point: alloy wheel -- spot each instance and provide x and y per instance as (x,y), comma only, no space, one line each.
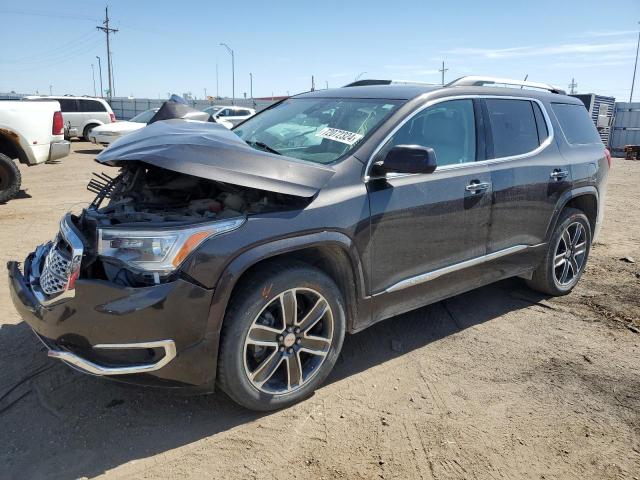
(570,254)
(288,341)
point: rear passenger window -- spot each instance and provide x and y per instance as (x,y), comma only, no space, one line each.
(91,106)
(447,127)
(577,126)
(67,105)
(513,127)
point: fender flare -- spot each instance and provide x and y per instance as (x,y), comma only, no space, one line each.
(240,264)
(565,198)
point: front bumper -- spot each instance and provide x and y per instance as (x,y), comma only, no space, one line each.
(150,335)
(59,149)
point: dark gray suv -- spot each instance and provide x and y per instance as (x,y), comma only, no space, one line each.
(241,258)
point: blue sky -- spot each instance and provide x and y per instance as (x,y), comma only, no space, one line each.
(173,47)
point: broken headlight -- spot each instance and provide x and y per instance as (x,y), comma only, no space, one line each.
(158,250)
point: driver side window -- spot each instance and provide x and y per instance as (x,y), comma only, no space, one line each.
(447,127)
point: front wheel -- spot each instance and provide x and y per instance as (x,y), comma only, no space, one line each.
(566,255)
(281,336)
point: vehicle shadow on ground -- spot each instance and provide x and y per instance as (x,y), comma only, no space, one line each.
(89,151)
(22,194)
(58,423)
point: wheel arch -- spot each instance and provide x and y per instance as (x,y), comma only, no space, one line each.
(10,146)
(585,199)
(332,252)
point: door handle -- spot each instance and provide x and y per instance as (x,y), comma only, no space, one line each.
(477,187)
(558,174)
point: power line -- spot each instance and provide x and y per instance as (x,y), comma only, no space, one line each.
(107,31)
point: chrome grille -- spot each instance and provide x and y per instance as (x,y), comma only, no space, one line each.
(55,271)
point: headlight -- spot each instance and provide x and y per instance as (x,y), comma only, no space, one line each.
(158,250)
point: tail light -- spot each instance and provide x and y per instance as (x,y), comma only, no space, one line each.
(607,154)
(58,124)
(112,116)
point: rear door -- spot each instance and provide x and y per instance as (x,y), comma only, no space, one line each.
(421,224)
(527,170)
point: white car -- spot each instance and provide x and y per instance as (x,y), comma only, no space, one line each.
(106,134)
(231,114)
(30,133)
(81,114)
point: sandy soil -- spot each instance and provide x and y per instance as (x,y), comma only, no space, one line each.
(494,384)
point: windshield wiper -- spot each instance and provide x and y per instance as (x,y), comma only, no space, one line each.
(263,146)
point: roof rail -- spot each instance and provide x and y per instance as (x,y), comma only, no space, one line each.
(367,82)
(476,81)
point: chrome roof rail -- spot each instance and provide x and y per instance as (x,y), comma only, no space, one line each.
(367,82)
(477,81)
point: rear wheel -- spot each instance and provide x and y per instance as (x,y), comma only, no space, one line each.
(566,255)
(10,178)
(281,336)
(87,131)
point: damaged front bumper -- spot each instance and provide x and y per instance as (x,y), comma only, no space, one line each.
(150,335)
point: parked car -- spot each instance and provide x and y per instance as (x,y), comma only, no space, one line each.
(106,134)
(231,114)
(241,258)
(30,133)
(81,114)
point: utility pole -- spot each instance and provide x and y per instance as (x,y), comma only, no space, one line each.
(251,85)
(100,73)
(107,31)
(572,86)
(326,84)
(442,70)
(50,90)
(217,93)
(313,83)
(205,93)
(635,67)
(233,72)
(93,75)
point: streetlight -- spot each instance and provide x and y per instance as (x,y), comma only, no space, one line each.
(251,85)
(233,72)
(100,73)
(50,90)
(93,75)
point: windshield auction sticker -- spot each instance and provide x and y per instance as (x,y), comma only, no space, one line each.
(337,135)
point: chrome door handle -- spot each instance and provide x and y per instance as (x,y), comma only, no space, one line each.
(559,174)
(477,187)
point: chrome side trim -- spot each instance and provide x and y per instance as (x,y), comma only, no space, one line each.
(456,166)
(95,369)
(428,276)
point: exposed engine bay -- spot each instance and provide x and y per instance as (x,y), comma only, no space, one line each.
(146,194)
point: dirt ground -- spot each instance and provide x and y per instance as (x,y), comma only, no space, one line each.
(499,383)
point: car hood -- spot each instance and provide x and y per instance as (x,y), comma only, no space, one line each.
(119,127)
(210,151)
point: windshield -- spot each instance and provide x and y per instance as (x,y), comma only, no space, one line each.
(315,129)
(212,110)
(144,117)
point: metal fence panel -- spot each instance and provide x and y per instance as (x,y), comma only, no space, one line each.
(626,126)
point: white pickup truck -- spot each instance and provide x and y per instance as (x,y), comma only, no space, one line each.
(30,133)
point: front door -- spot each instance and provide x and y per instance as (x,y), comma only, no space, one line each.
(427,224)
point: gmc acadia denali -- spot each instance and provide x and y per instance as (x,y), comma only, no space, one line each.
(241,258)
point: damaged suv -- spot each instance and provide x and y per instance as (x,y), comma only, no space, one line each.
(241,258)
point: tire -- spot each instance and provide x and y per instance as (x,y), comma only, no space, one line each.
(10,178)
(85,132)
(548,276)
(257,306)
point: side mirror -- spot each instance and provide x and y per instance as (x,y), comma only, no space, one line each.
(408,159)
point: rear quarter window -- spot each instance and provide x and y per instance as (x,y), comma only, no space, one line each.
(576,125)
(68,105)
(91,106)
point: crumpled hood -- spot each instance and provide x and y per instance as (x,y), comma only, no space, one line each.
(209,150)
